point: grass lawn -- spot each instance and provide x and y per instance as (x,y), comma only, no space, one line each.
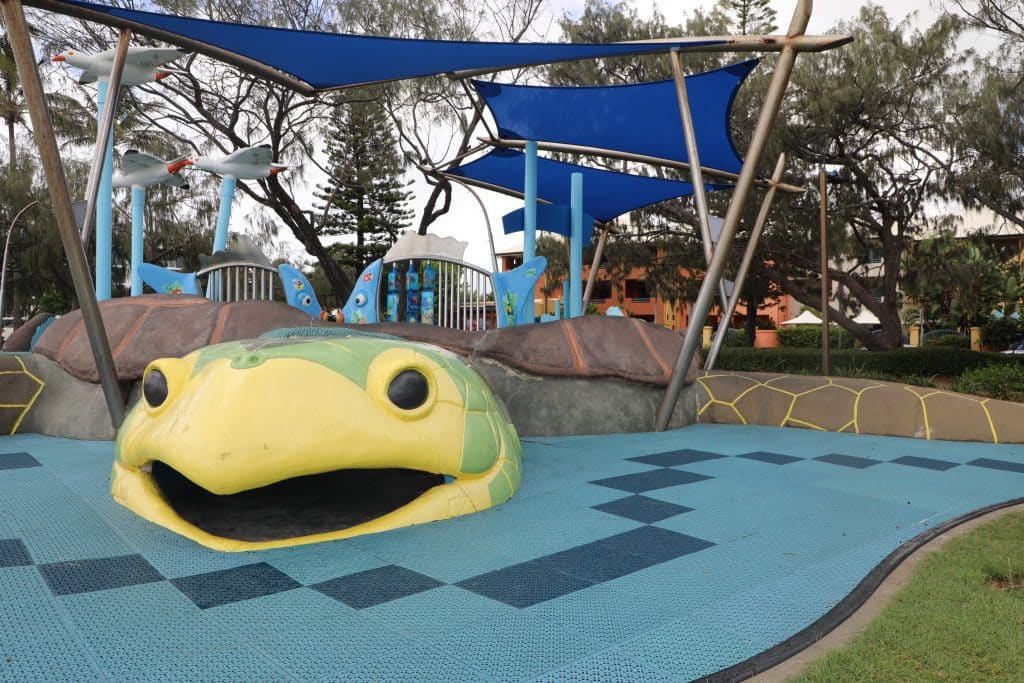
(959,618)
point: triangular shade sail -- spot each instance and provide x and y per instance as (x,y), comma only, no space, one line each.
(642,119)
(606,194)
(334,60)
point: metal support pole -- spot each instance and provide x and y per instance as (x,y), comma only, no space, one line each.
(530,203)
(700,197)
(595,264)
(138,232)
(17,31)
(3,270)
(701,307)
(487,221)
(105,129)
(748,258)
(825,286)
(576,246)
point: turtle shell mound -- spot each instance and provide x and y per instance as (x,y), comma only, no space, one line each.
(580,376)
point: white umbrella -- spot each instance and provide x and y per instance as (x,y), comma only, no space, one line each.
(866,317)
(805,318)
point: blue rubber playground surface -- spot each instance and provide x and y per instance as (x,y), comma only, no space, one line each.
(644,557)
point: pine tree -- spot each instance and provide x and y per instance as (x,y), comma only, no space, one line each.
(750,16)
(365,196)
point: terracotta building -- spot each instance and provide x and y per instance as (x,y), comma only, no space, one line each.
(633,298)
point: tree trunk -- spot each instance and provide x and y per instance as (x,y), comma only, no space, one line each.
(750,324)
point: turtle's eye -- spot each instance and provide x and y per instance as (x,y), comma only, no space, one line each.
(154,388)
(408,389)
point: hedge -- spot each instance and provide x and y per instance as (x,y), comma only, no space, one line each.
(903,362)
(809,336)
(994,381)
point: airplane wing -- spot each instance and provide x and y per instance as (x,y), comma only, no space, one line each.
(255,156)
(154,57)
(134,160)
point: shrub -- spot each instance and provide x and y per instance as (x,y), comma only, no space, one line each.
(809,336)
(998,333)
(1003,381)
(899,363)
(953,340)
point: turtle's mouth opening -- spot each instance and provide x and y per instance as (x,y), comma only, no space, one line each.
(302,506)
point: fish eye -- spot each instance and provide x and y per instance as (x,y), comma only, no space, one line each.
(408,389)
(306,300)
(360,299)
(154,388)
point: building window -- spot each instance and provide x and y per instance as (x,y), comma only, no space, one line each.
(637,289)
(602,290)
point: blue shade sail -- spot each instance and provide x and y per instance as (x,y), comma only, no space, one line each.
(606,194)
(642,118)
(335,60)
(556,218)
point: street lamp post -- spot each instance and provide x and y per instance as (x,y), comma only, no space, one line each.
(3,269)
(825,286)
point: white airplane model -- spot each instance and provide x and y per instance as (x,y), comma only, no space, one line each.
(143,170)
(248,163)
(142,65)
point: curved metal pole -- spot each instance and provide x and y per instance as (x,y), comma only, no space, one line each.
(487,220)
(3,270)
(49,155)
(700,196)
(701,307)
(748,258)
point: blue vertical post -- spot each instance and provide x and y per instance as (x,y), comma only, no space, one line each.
(104,206)
(138,227)
(576,247)
(220,237)
(227,195)
(565,300)
(530,202)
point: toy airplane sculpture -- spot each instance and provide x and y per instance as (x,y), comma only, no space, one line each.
(142,65)
(139,171)
(248,163)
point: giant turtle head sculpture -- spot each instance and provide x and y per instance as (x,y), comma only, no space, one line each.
(268,443)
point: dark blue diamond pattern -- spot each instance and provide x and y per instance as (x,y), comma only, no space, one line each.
(925,463)
(1004,465)
(676,458)
(772,458)
(848,460)
(17,461)
(650,480)
(85,576)
(642,509)
(376,586)
(233,585)
(13,553)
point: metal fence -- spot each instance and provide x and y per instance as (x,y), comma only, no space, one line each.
(463,297)
(240,281)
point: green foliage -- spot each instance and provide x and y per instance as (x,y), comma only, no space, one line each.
(750,16)
(809,336)
(365,197)
(951,622)
(1004,381)
(555,251)
(998,333)
(948,341)
(900,363)
(957,280)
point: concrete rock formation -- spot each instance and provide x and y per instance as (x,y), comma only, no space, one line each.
(837,404)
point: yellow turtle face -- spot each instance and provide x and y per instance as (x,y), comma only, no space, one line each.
(250,445)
